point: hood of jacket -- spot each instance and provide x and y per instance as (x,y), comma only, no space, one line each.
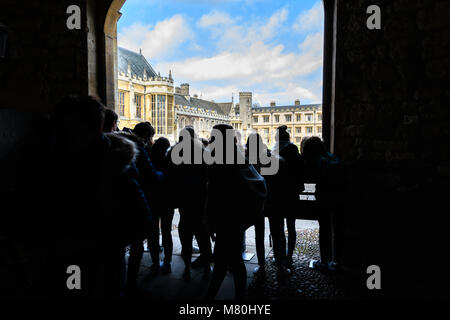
(122,152)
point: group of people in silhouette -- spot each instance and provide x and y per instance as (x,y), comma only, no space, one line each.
(108,190)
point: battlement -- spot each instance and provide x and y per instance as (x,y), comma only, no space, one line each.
(169,80)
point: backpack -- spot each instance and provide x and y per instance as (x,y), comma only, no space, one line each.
(254,190)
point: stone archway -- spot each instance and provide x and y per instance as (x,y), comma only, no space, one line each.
(110,46)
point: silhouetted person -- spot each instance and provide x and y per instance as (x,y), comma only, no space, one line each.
(230,219)
(148,177)
(149,144)
(205,142)
(190,179)
(162,209)
(111,118)
(76,206)
(260,222)
(325,169)
(286,195)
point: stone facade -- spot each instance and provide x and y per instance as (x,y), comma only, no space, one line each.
(301,120)
(144,95)
(141,92)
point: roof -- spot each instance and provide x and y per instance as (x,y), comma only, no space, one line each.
(283,108)
(137,63)
(225,106)
(202,104)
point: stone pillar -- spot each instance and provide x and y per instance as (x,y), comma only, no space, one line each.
(132,104)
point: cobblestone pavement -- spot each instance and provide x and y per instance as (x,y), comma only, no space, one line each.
(303,282)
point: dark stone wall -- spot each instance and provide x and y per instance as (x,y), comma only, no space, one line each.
(392,130)
(392,111)
(46,61)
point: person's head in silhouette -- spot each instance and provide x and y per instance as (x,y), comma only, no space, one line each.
(258,147)
(222,129)
(313,147)
(111,118)
(205,142)
(87,114)
(158,150)
(144,131)
(282,134)
(187,131)
(255,137)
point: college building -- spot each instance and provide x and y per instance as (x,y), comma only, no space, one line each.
(301,120)
(145,95)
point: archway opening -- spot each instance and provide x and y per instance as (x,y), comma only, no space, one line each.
(197,89)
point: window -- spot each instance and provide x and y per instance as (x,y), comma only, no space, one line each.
(298,130)
(138,102)
(277,118)
(122,104)
(319,130)
(289,130)
(298,139)
(287,118)
(255,119)
(170,121)
(266,118)
(153,108)
(309,117)
(266,131)
(161,114)
(319,117)
(309,130)
(298,117)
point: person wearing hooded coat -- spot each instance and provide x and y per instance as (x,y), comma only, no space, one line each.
(149,178)
(74,206)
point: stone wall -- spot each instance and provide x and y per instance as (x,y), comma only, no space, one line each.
(392,113)
(46,61)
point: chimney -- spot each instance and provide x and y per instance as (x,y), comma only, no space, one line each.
(272,103)
(185,89)
(297,102)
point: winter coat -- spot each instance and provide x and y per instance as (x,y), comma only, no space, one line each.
(235,196)
(148,177)
(190,180)
(288,183)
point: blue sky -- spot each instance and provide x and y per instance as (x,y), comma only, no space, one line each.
(272,48)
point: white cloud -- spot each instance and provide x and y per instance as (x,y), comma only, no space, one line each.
(268,30)
(286,96)
(215,92)
(156,41)
(214,18)
(248,57)
(233,36)
(260,63)
(310,20)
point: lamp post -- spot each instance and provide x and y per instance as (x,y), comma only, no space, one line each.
(3,38)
